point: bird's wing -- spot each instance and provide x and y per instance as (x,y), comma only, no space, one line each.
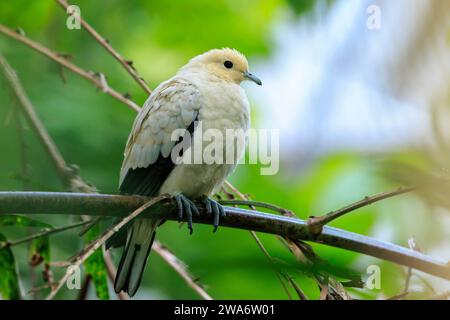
(173,105)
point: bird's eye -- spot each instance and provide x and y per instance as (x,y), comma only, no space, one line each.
(228,64)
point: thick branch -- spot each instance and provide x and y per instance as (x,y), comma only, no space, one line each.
(99,82)
(119,205)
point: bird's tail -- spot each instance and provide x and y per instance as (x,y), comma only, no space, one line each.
(134,258)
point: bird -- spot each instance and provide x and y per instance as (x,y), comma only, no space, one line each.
(205,91)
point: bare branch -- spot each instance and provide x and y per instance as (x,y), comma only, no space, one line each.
(255,237)
(259,204)
(111,269)
(316,223)
(297,248)
(272,263)
(181,268)
(128,66)
(90,76)
(300,293)
(44,233)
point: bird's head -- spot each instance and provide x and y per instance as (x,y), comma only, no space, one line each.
(227,64)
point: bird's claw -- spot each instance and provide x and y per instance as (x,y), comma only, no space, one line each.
(186,207)
(215,209)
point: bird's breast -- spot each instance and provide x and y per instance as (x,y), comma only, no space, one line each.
(224,106)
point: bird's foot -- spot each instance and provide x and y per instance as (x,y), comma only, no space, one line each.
(186,207)
(215,209)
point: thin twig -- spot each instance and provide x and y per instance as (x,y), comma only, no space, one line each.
(24,174)
(171,259)
(128,65)
(300,293)
(272,263)
(399,296)
(413,246)
(259,204)
(294,246)
(90,76)
(90,248)
(40,288)
(316,223)
(82,294)
(181,268)
(278,274)
(301,250)
(111,269)
(42,233)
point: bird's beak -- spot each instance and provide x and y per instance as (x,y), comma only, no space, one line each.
(252,77)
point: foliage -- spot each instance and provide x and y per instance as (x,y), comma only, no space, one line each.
(9,282)
(95,266)
(38,251)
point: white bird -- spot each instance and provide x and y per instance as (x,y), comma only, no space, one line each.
(207,91)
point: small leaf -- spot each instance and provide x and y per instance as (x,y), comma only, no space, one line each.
(95,265)
(21,221)
(40,247)
(9,283)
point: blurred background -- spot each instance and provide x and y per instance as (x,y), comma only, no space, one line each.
(360,111)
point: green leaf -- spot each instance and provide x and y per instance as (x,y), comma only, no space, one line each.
(9,284)
(39,248)
(21,221)
(95,266)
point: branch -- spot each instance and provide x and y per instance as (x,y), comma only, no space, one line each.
(278,274)
(255,237)
(297,229)
(98,81)
(181,268)
(128,65)
(259,204)
(43,233)
(246,199)
(112,272)
(316,223)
